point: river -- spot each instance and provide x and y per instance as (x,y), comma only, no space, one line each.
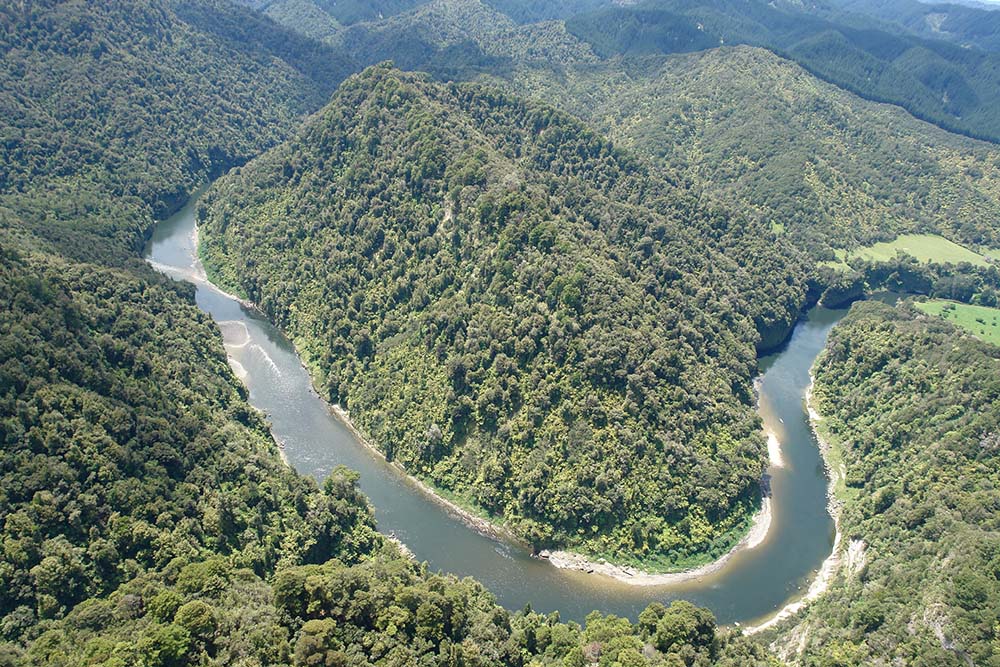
(752,585)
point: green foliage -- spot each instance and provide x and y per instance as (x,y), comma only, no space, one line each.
(109,111)
(164,646)
(959,23)
(144,510)
(99,391)
(304,16)
(458,38)
(912,406)
(515,311)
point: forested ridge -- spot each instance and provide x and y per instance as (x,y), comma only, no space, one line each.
(145,515)
(117,110)
(965,24)
(910,406)
(514,310)
(456,38)
(148,519)
(939,62)
(745,129)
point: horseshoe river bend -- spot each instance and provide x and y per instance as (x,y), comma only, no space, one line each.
(755,582)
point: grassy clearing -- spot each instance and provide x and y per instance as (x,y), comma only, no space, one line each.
(839,264)
(981,321)
(928,248)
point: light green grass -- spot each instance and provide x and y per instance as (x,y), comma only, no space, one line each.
(925,247)
(980,321)
(833,454)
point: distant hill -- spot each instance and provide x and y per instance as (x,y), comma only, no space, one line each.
(457,38)
(339,12)
(757,133)
(951,86)
(966,24)
(323,17)
(825,167)
(452,38)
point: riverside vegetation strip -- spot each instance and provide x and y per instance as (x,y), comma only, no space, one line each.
(280,385)
(912,406)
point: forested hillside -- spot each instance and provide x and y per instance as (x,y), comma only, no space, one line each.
(455,38)
(130,452)
(748,130)
(910,405)
(323,19)
(514,310)
(333,12)
(116,106)
(556,328)
(759,134)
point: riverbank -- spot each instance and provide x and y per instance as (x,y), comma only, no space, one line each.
(759,528)
(571,561)
(828,569)
(568,560)
(197,274)
(200,272)
(451,539)
(482,526)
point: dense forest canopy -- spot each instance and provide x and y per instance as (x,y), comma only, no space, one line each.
(513,309)
(965,24)
(954,87)
(115,106)
(939,62)
(746,129)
